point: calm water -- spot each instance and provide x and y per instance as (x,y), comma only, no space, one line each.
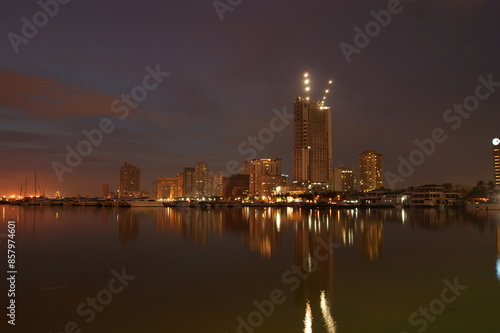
(350,271)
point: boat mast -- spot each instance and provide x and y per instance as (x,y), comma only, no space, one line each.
(25,186)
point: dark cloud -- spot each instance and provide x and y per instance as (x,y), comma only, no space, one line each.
(226,77)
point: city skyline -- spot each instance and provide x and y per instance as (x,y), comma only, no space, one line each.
(207,94)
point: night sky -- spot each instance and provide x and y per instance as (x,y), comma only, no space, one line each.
(226,77)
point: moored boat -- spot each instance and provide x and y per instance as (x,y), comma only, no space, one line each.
(145,203)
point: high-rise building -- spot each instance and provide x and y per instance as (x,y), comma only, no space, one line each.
(370,171)
(312,148)
(496,160)
(130,180)
(344,179)
(188,184)
(180,184)
(265,175)
(167,188)
(201,179)
(216,185)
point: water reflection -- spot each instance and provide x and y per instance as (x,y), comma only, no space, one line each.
(194,225)
(498,251)
(264,226)
(316,235)
(328,322)
(315,303)
(372,236)
(128,226)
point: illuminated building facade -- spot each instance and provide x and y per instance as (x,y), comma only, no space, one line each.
(201,180)
(216,185)
(496,157)
(265,175)
(344,179)
(130,180)
(167,188)
(370,171)
(312,145)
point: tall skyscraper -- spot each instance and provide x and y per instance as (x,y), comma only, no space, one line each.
(370,171)
(188,185)
(130,180)
(200,179)
(312,148)
(265,175)
(496,159)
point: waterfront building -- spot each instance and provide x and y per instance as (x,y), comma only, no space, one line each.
(216,185)
(370,171)
(381,198)
(180,184)
(312,145)
(167,188)
(433,196)
(188,182)
(344,179)
(201,180)
(265,175)
(291,190)
(130,181)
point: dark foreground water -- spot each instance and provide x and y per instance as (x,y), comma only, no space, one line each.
(253,270)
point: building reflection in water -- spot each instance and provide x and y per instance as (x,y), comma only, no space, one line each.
(264,226)
(262,230)
(372,233)
(194,225)
(498,251)
(316,234)
(128,225)
(259,229)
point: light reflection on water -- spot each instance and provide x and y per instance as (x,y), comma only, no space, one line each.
(380,255)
